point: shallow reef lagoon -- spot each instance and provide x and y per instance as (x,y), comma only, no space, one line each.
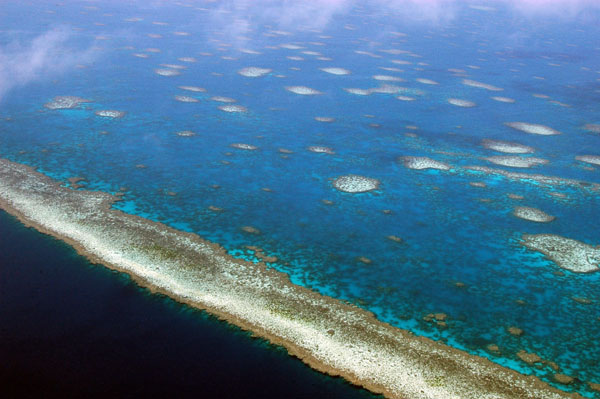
(416,159)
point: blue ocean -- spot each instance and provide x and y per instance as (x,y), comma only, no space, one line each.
(236,118)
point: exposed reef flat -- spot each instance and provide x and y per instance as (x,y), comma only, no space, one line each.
(221,99)
(423,163)
(186,99)
(189,269)
(232,108)
(358,92)
(302,90)
(426,81)
(507,147)
(355,184)
(515,161)
(549,181)
(254,72)
(507,100)
(167,72)
(569,254)
(533,128)
(65,102)
(473,83)
(461,103)
(321,149)
(532,214)
(336,71)
(185,133)
(388,78)
(195,89)
(591,159)
(110,113)
(242,146)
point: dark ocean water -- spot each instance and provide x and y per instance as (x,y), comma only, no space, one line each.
(69,328)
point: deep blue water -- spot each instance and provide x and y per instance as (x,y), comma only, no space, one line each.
(448,234)
(72,329)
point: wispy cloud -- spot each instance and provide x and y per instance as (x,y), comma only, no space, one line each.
(560,8)
(238,17)
(45,56)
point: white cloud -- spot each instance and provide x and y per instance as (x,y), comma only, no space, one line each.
(46,56)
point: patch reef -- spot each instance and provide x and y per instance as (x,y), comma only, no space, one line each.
(567,253)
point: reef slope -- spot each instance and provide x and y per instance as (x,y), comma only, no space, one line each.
(328,334)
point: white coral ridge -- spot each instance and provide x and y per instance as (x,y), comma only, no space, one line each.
(110,113)
(320,149)
(359,92)
(254,72)
(233,108)
(186,99)
(221,99)
(195,89)
(507,100)
(592,159)
(567,253)
(167,72)
(303,90)
(65,102)
(290,46)
(186,133)
(243,146)
(427,81)
(387,78)
(507,147)
(461,103)
(424,163)
(473,83)
(532,128)
(336,71)
(532,214)
(383,89)
(355,184)
(515,161)
(388,89)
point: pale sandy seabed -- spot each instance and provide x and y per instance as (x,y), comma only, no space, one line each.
(327,334)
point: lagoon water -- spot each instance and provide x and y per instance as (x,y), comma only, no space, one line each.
(210,145)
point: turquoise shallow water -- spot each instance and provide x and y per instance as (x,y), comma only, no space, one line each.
(449,235)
